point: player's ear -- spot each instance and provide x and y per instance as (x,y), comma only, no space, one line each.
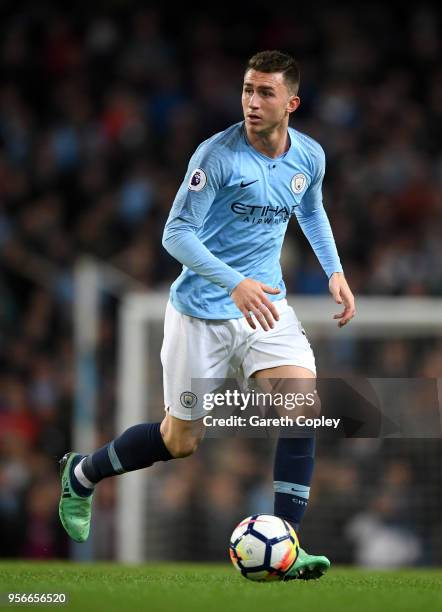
(293,103)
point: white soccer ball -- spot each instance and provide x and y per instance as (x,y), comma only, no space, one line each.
(263,547)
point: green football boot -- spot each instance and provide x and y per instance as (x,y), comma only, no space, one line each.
(74,510)
(307,567)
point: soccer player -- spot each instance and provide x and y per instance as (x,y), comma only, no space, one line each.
(227,314)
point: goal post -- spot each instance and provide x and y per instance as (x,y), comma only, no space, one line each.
(92,278)
(141,318)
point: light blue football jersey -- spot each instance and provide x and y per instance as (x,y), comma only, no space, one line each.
(230,216)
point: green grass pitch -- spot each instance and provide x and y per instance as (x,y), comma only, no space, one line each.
(187,587)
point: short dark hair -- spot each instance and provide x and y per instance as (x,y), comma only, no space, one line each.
(276,61)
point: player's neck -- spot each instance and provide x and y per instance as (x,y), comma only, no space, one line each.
(272,144)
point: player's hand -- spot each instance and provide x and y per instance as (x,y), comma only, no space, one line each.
(250,297)
(342,295)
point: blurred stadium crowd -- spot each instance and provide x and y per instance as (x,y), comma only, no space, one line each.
(99,113)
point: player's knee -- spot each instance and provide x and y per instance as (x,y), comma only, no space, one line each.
(181,439)
(183,446)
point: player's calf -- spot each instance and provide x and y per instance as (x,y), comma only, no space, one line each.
(136,448)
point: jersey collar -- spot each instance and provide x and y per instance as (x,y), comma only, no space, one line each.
(261,155)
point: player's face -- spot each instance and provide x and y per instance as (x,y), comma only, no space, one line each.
(266,101)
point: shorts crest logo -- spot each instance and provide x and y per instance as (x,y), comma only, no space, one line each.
(188,399)
(298,182)
(198,180)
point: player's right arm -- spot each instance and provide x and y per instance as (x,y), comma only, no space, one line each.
(206,175)
(204,178)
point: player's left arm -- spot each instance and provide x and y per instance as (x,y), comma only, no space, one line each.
(342,294)
(315,224)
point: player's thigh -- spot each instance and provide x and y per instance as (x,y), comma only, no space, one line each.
(195,358)
(286,345)
(286,372)
(286,378)
(281,360)
(296,385)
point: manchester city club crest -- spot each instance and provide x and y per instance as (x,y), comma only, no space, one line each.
(188,399)
(299,181)
(198,180)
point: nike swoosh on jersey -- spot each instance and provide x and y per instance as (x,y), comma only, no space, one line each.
(247,184)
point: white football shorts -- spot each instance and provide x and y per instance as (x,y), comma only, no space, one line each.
(197,354)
